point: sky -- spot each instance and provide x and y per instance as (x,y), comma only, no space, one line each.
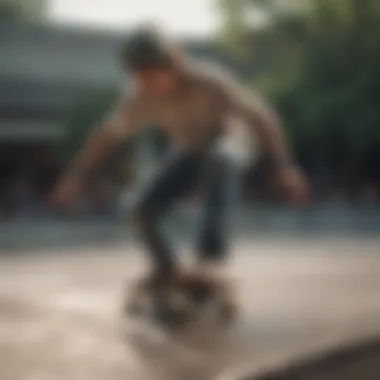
(183,17)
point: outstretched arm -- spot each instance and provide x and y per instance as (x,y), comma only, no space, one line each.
(263,120)
(120,123)
(101,142)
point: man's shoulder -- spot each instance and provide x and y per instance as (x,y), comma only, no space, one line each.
(212,73)
(131,96)
(128,91)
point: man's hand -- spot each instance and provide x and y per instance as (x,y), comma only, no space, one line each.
(66,192)
(289,180)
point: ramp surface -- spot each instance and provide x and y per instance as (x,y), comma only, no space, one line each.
(59,311)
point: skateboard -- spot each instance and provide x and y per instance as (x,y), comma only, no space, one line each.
(195,316)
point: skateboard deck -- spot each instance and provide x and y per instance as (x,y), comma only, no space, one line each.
(178,325)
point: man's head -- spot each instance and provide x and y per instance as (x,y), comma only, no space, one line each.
(152,60)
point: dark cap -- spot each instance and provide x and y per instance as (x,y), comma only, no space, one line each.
(146,48)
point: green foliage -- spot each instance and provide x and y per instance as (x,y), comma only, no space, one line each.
(22,9)
(321,71)
(9,11)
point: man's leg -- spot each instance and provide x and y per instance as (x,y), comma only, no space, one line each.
(178,171)
(221,185)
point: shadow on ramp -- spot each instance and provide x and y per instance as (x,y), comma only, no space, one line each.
(360,361)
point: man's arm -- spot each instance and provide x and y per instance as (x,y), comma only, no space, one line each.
(252,110)
(101,142)
(120,123)
(259,116)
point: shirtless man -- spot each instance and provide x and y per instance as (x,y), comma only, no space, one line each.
(196,106)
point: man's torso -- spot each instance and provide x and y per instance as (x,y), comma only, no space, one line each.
(194,115)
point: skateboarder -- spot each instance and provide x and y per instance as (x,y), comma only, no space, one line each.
(201,109)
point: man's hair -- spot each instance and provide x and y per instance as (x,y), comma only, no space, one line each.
(146,48)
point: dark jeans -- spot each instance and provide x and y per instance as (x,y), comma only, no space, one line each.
(178,173)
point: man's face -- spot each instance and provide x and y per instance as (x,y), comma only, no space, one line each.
(156,82)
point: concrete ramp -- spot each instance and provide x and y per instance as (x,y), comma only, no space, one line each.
(59,314)
(350,361)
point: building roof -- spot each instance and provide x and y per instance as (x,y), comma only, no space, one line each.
(56,53)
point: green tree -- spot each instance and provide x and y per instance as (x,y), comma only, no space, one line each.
(22,9)
(9,11)
(320,68)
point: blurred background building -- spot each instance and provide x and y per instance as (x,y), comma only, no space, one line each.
(42,70)
(56,82)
